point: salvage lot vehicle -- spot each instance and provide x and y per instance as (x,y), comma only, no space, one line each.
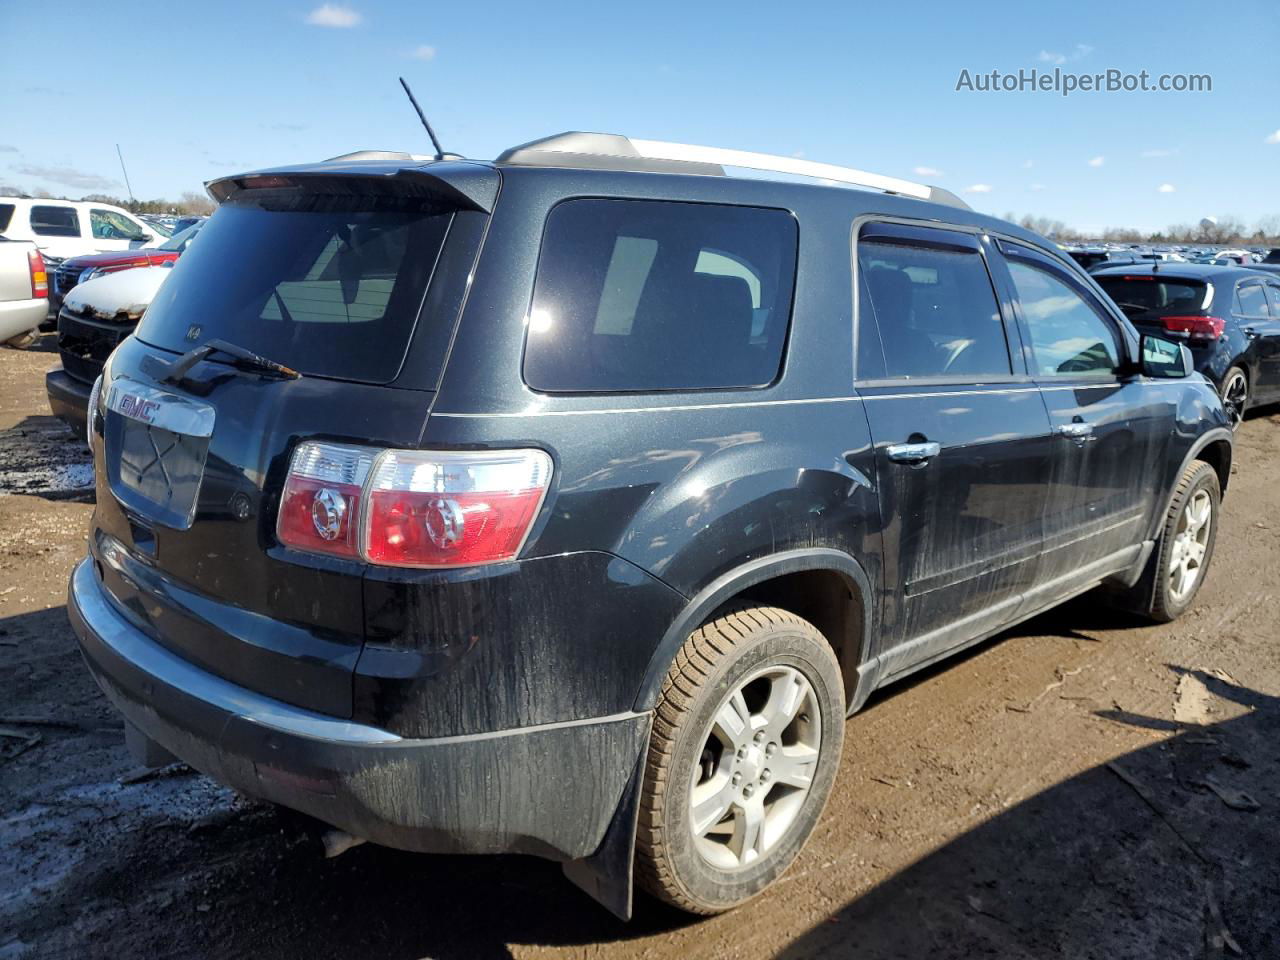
(24,292)
(78,269)
(96,316)
(69,228)
(575,522)
(1229,316)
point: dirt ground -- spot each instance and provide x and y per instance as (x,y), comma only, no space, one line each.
(1084,786)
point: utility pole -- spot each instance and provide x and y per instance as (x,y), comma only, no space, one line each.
(126,174)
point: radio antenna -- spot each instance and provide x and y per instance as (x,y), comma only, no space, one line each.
(423,117)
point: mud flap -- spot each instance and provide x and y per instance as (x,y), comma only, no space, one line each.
(145,750)
(606,875)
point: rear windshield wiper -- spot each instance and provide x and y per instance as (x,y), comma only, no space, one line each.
(242,359)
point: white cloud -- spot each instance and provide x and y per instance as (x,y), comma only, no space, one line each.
(1097,161)
(1038,187)
(926,171)
(978,188)
(1166,188)
(1078,52)
(1159,152)
(423,51)
(333,15)
(68,177)
(1273,138)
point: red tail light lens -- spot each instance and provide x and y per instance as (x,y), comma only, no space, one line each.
(433,509)
(320,505)
(1196,328)
(39,276)
(412,508)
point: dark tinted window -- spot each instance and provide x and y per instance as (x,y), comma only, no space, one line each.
(6,214)
(1154,294)
(1068,337)
(55,221)
(326,287)
(1253,302)
(638,295)
(935,311)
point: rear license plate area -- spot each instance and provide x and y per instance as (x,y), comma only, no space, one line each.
(156,447)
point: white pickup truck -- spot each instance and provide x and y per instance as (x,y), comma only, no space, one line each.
(24,292)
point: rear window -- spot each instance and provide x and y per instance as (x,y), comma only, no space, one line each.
(324,285)
(640,295)
(1159,295)
(6,215)
(49,221)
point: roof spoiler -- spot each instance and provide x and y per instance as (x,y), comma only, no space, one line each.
(468,185)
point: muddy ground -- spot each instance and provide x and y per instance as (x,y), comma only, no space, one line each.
(1085,786)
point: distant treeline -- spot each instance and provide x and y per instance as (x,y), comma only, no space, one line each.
(1228,230)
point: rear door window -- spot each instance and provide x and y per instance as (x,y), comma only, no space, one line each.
(53,221)
(326,286)
(1159,296)
(639,295)
(6,215)
(933,308)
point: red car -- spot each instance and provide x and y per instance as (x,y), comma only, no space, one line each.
(77,269)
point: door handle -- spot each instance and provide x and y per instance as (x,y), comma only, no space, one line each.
(913,452)
(1076,430)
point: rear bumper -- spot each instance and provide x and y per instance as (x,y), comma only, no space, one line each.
(19,316)
(549,790)
(68,399)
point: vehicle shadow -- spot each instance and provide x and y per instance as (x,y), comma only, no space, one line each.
(1160,853)
(1139,858)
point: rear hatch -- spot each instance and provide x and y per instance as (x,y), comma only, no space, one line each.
(353,280)
(1165,304)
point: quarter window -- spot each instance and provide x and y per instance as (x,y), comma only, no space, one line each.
(51,221)
(1068,337)
(1273,298)
(934,311)
(639,295)
(1253,303)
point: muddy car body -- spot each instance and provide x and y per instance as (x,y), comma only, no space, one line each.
(482,467)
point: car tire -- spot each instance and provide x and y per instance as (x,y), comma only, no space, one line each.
(753,687)
(23,340)
(1185,548)
(1235,395)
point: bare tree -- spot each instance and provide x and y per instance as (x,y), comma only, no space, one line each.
(196,204)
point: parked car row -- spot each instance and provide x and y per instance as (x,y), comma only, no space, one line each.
(572,518)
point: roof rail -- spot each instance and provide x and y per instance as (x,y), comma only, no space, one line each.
(611,151)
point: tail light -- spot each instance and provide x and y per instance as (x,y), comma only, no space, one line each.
(320,506)
(39,276)
(1196,328)
(413,508)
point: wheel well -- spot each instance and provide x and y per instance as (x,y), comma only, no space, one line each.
(827,599)
(1218,456)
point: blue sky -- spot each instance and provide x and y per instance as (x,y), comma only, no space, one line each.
(194,92)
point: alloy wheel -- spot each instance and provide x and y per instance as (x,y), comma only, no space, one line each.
(757,765)
(1190,543)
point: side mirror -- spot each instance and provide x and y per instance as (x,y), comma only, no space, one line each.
(1164,359)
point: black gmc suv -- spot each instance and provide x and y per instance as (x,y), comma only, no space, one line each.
(567,504)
